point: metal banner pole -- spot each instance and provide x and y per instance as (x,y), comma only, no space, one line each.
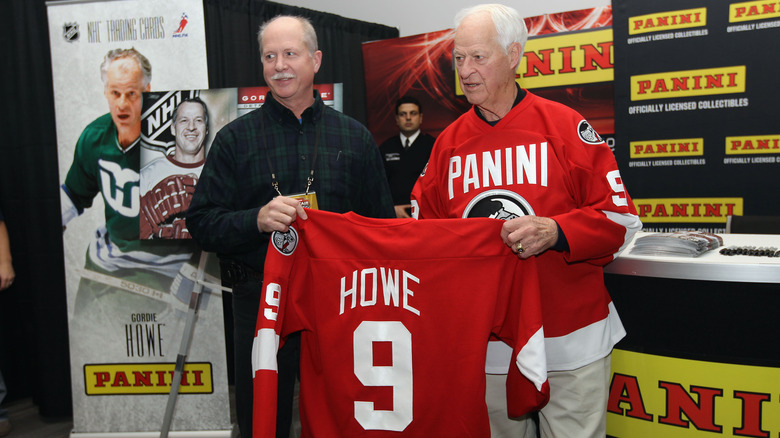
(185,345)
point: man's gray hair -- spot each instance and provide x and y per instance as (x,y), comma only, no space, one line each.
(132,53)
(309,34)
(510,26)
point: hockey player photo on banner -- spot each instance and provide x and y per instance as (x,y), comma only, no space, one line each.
(128,298)
(176,132)
(177,128)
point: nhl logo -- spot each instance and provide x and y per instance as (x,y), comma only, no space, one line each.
(285,243)
(70,32)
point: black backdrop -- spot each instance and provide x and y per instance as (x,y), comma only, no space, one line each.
(33,314)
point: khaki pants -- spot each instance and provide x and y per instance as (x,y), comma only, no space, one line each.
(577,407)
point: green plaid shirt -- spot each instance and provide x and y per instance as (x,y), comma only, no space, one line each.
(236,179)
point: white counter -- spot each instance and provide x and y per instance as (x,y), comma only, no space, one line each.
(710,266)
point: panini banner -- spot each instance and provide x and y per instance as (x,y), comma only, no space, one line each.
(128,299)
(696,109)
(568,58)
(657,396)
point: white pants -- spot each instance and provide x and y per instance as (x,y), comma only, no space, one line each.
(577,406)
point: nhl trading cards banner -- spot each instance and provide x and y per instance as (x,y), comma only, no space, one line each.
(696,110)
(128,298)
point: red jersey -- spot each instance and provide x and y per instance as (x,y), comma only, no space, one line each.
(542,159)
(395,317)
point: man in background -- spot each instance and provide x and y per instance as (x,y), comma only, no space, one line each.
(167,183)
(405,155)
(260,169)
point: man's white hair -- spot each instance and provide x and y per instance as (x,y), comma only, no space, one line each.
(509,25)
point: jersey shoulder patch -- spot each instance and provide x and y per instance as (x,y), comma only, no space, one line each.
(588,134)
(285,242)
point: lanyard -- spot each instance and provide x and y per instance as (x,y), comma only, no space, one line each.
(310,179)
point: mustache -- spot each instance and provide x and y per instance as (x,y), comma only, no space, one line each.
(278,76)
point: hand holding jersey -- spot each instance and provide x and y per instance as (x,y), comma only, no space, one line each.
(529,235)
(278,214)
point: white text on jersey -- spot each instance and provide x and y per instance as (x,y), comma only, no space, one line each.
(394,293)
(501,167)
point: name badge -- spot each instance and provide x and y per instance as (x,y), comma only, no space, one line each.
(307,200)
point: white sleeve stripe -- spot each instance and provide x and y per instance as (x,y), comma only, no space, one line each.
(532,359)
(630,222)
(68,209)
(264,349)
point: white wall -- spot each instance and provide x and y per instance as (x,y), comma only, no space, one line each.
(413,17)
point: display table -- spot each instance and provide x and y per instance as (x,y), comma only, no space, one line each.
(701,355)
(710,266)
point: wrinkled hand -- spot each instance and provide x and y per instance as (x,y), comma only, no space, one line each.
(278,214)
(535,234)
(401,210)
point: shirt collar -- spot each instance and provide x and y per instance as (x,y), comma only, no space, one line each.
(411,138)
(129,148)
(519,98)
(279,112)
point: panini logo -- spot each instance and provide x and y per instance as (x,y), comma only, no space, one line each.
(688,210)
(663,21)
(655,396)
(753,144)
(146,378)
(687,83)
(564,60)
(682,147)
(571,59)
(750,11)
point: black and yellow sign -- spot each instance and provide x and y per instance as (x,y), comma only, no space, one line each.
(656,396)
(146,378)
(687,210)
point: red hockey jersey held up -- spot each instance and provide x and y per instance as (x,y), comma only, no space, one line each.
(395,317)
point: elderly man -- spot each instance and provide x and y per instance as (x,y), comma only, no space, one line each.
(540,166)
(261,169)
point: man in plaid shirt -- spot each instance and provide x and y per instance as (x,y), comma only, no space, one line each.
(260,168)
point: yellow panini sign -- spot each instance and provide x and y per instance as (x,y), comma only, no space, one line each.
(688,210)
(656,396)
(664,21)
(687,83)
(680,147)
(753,144)
(571,59)
(750,11)
(146,378)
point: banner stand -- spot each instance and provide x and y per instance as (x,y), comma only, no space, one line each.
(184,348)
